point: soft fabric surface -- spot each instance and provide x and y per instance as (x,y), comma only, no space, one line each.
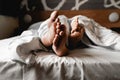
(99,35)
(80,64)
(95,63)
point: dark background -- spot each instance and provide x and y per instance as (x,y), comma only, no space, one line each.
(12,7)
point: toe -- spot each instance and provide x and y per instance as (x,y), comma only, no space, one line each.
(58,25)
(57,20)
(54,15)
(61,33)
(58,31)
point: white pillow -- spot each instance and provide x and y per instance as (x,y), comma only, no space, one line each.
(35,26)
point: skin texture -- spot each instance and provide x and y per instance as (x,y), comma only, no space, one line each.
(56,35)
(76,34)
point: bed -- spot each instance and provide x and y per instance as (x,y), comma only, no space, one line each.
(80,64)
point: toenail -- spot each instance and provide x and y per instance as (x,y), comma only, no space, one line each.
(61,33)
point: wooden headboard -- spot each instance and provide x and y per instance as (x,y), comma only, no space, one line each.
(100,16)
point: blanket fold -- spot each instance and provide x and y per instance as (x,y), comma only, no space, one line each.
(30,40)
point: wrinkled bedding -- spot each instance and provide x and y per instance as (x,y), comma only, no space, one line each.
(93,63)
(28,42)
(80,64)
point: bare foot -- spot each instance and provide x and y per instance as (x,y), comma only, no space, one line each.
(59,42)
(52,22)
(76,34)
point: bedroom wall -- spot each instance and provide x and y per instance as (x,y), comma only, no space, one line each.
(7,26)
(9,10)
(70,4)
(79,4)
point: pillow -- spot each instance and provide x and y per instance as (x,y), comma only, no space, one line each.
(35,26)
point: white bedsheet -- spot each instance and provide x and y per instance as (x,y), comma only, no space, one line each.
(80,64)
(4,49)
(29,40)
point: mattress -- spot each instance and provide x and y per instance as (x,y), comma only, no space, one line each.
(80,64)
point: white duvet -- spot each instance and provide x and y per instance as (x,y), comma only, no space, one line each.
(99,35)
(95,63)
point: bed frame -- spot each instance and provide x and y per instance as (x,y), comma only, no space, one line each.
(101,16)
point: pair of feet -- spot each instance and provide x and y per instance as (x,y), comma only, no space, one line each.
(56,35)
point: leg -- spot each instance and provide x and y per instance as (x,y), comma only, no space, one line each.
(59,42)
(52,22)
(76,34)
